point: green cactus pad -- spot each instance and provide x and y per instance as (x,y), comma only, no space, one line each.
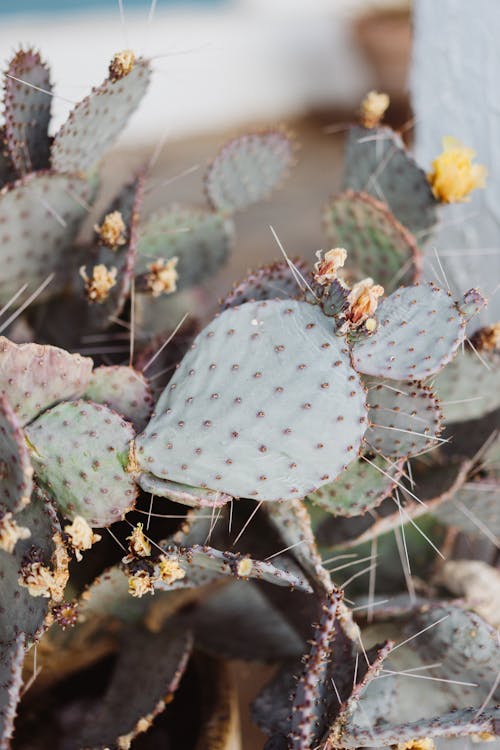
(21,612)
(15,465)
(27,111)
(199,239)
(35,377)
(419,330)
(149,669)
(475,508)
(196,497)
(405,418)
(272,281)
(377,244)
(360,488)
(123,389)
(7,170)
(202,564)
(40,216)
(80,451)
(96,121)
(469,387)
(222,422)
(11,665)
(247,169)
(378,163)
(123,257)
(238,622)
(457,723)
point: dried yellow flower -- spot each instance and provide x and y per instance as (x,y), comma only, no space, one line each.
(162,277)
(327,266)
(140,583)
(81,536)
(373,108)
(41,580)
(122,64)
(11,532)
(245,567)
(112,231)
(363,301)
(453,175)
(424,743)
(98,285)
(138,544)
(169,570)
(487,339)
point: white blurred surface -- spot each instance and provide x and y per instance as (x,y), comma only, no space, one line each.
(214,67)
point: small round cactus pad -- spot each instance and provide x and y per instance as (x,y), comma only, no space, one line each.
(265,405)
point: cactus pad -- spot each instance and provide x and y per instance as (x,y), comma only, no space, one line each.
(149,668)
(405,418)
(378,163)
(470,386)
(247,169)
(15,465)
(474,508)
(21,612)
(377,244)
(80,453)
(96,121)
(273,281)
(123,389)
(419,330)
(27,111)
(361,487)
(39,218)
(221,422)
(11,664)
(195,497)
(199,239)
(35,377)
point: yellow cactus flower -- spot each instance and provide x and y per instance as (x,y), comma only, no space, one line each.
(112,231)
(162,277)
(363,301)
(98,285)
(424,743)
(327,266)
(245,567)
(140,583)
(453,174)
(81,536)
(169,570)
(11,532)
(373,108)
(138,544)
(122,64)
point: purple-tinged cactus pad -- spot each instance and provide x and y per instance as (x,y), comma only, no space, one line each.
(20,612)
(272,281)
(7,170)
(40,216)
(96,121)
(203,563)
(123,389)
(196,497)
(80,452)
(247,169)
(360,488)
(475,508)
(419,330)
(405,418)
(469,387)
(199,239)
(27,111)
(264,406)
(11,664)
(148,672)
(16,471)
(377,244)
(378,163)
(34,377)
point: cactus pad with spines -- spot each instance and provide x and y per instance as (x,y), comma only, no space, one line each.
(196,497)
(419,330)
(360,488)
(15,465)
(377,163)
(80,451)
(405,418)
(378,245)
(35,377)
(40,216)
(27,111)
(243,365)
(247,169)
(199,239)
(96,121)
(272,281)
(123,389)
(11,664)
(474,508)
(470,386)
